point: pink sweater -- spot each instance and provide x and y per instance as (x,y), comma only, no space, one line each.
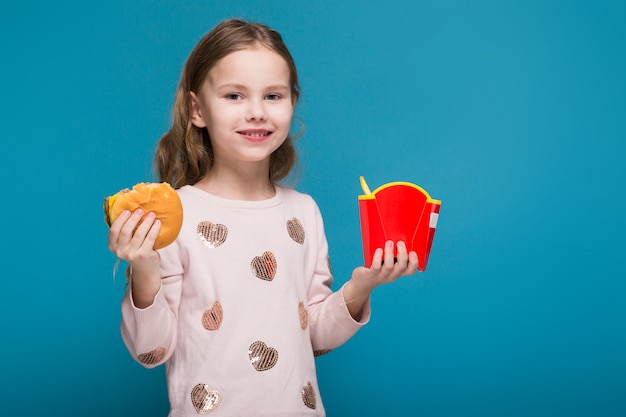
(245,304)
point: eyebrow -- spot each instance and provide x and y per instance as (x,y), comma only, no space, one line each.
(236,86)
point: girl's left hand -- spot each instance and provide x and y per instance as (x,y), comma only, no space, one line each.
(385,268)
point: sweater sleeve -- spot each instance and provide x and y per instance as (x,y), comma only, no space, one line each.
(150,333)
(330,322)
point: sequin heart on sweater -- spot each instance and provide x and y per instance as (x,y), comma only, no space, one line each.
(304,315)
(308,396)
(212,317)
(262,357)
(213,235)
(295,230)
(264,266)
(204,399)
(152,357)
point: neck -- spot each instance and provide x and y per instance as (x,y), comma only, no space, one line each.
(238,184)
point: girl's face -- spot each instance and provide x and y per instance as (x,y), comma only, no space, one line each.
(246,105)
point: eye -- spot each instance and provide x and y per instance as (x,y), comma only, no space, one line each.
(233,97)
(273,97)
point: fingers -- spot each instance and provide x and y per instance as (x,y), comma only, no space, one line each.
(128,229)
(389,265)
(131,232)
(407,261)
(377,260)
(153,233)
(412,265)
(116,229)
(389,255)
(384,259)
(403,256)
(144,227)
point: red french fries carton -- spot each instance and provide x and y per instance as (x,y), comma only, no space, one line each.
(398,211)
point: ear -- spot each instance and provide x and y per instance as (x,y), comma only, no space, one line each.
(196,114)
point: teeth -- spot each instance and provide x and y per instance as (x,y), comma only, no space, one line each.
(255,135)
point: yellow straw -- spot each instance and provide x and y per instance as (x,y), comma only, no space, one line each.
(364,186)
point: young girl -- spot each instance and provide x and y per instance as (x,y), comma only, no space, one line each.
(240,304)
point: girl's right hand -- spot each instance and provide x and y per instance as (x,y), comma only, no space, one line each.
(132,240)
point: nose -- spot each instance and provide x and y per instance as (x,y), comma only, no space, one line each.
(256,110)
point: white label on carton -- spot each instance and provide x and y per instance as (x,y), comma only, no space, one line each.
(433,220)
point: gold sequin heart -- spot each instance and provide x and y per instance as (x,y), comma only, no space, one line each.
(295,230)
(211,234)
(204,399)
(212,318)
(318,353)
(304,315)
(152,357)
(308,395)
(262,357)
(264,266)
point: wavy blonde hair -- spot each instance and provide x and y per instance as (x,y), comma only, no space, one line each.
(184,154)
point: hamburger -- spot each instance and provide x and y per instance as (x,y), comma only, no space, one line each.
(159,198)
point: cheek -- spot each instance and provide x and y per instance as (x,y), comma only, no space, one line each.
(221,118)
(284,116)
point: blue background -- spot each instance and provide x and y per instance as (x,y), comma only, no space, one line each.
(511,112)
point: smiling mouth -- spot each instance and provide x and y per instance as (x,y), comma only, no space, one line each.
(255,134)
